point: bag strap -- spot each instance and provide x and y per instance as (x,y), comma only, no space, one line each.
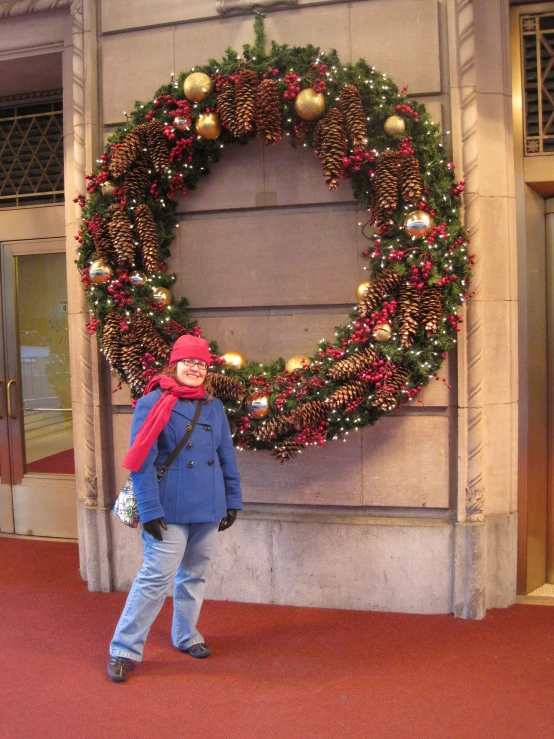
(190,428)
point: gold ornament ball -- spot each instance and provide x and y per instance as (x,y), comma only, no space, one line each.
(258,407)
(382,332)
(309,105)
(197,87)
(418,224)
(361,290)
(181,123)
(208,126)
(235,359)
(161,296)
(137,278)
(297,362)
(100,272)
(394,126)
(108,189)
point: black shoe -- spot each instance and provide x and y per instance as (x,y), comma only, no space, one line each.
(119,669)
(200,651)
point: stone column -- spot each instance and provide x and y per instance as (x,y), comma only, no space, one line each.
(482,143)
(81,135)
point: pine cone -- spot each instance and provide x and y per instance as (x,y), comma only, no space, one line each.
(226,101)
(268,112)
(149,337)
(146,228)
(102,242)
(409,179)
(137,180)
(351,106)
(111,339)
(121,234)
(131,363)
(387,397)
(287,449)
(344,369)
(385,187)
(225,388)
(384,284)
(129,149)
(246,85)
(158,146)
(408,312)
(431,309)
(274,428)
(348,393)
(330,146)
(309,414)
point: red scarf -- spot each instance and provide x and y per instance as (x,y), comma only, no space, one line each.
(159,415)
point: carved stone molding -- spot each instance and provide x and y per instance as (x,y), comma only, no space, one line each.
(12,8)
(475,500)
(225,7)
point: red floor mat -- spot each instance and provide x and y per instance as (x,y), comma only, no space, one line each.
(61,463)
(276,671)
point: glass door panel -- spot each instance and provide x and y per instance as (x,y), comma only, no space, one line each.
(44,360)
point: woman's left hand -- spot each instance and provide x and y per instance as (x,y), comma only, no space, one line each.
(229,519)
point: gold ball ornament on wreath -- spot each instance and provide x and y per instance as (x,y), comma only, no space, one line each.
(108,189)
(182,123)
(161,296)
(362,289)
(418,224)
(258,407)
(235,359)
(382,332)
(394,126)
(296,363)
(309,105)
(100,272)
(208,126)
(137,278)
(197,86)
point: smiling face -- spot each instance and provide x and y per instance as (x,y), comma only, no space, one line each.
(191,372)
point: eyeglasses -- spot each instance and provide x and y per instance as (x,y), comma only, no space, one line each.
(192,362)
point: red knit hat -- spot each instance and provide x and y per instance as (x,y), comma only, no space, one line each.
(190,347)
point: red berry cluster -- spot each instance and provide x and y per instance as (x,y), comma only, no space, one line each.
(178,151)
(331,352)
(92,325)
(177,184)
(124,327)
(118,387)
(243,424)
(454,320)
(302,129)
(173,327)
(425,206)
(379,373)
(85,278)
(154,191)
(220,80)
(363,328)
(271,72)
(95,180)
(457,188)
(81,199)
(407,110)
(446,280)
(405,146)
(396,255)
(318,84)
(356,159)
(437,232)
(293,88)
(313,434)
(418,275)
(120,295)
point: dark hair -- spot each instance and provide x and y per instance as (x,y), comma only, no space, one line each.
(170,370)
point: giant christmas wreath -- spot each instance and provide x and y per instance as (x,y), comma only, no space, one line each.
(361,128)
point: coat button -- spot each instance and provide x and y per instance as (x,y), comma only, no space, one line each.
(191,463)
(210,462)
(207,428)
(189,426)
(190,445)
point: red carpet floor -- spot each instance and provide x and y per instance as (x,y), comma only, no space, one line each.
(276,671)
(62,462)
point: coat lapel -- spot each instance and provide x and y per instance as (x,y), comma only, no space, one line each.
(186,408)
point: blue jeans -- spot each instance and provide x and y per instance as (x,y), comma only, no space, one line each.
(185,553)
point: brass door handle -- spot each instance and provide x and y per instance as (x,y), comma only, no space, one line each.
(11,414)
(2,398)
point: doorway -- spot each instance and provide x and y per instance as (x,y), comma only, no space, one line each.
(37,467)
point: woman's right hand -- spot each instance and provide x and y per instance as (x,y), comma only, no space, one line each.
(154,528)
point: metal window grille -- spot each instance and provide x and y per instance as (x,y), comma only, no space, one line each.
(31,149)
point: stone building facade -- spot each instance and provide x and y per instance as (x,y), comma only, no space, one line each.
(417,514)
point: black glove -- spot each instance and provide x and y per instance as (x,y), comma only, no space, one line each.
(154,528)
(229,519)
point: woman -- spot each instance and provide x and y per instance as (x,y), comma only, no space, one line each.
(182,512)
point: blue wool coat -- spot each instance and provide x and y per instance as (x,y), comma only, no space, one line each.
(203,481)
